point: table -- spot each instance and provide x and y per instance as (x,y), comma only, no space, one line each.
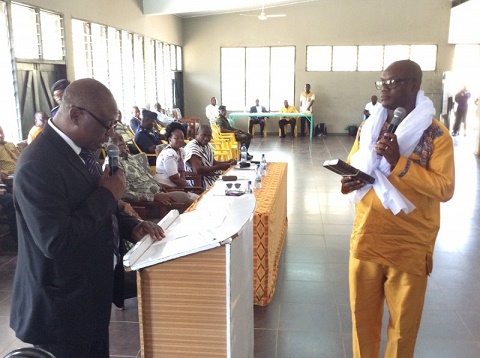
(269,225)
(233,116)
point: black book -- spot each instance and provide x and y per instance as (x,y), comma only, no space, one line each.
(340,167)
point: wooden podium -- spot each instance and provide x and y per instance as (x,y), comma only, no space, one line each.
(201,304)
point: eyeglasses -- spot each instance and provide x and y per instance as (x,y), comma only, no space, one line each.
(107,127)
(237,185)
(391,84)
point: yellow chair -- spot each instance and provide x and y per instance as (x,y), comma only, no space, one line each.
(287,126)
(228,137)
(221,152)
(253,127)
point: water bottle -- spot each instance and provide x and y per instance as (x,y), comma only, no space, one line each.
(263,166)
(243,153)
(258,178)
(249,187)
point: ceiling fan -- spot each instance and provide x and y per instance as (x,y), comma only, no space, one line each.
(264,16)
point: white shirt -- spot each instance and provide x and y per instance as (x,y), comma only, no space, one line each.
(211,112)
(371,108)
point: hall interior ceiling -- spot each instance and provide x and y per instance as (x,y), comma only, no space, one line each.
(189,8)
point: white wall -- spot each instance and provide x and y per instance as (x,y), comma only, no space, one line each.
(340,96)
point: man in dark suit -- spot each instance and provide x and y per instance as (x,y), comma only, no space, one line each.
(257,120)
(147,137)
(69,228)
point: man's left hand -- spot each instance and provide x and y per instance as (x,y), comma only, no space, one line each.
(388,148)
(147,227)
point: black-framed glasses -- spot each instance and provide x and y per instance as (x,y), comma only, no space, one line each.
(392,83)
(107,127)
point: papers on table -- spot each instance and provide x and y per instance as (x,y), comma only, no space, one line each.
(214,222)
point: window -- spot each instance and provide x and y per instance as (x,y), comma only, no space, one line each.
(319,58)
(24,24)
(7,92)
(137,70)
(52,36)
(368,58)
(344,58)
(100,53)
(82,49)
(266,73)
(38,34)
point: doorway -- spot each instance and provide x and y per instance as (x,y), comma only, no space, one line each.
(34,81)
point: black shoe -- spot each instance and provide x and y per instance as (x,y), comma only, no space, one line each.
(454,134)
(282,135)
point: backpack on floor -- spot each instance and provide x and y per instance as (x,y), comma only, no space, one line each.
(320,129)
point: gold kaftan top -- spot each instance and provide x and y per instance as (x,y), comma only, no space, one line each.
(426,178)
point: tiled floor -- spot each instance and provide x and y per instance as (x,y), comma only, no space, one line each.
(309,315)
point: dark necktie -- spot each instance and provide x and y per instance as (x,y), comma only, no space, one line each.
(94,170)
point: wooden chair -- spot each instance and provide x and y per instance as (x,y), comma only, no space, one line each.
(197,181)
(253,127)
(193,123)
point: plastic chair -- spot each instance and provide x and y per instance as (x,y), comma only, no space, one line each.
(230,140)
(221,151)
(29,352)
(253,127)
(148,155)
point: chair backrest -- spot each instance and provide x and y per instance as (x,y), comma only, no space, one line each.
(142,158)
(176,113)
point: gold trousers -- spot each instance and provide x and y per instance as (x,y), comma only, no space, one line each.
(370,285)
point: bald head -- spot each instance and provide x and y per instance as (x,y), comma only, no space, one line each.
(408,77)
(87,110)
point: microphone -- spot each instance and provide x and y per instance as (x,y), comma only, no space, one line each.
(112,153)
(398,116)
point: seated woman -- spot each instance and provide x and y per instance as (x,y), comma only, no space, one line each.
(170,160)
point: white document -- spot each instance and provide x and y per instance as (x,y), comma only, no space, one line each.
(212,224)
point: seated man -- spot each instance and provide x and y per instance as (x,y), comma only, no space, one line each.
(147,139)
(40,119)
(199,157)
(257,120)
(8,156)
(135,120)
(140,184)
(283,121)
(163,119)
(225,127)
(121,128)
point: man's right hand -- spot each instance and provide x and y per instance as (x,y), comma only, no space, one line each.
(350,184)
(114,183)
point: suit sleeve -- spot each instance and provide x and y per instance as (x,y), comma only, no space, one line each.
(59,211)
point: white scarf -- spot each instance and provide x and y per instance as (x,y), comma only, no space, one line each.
(408,133)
